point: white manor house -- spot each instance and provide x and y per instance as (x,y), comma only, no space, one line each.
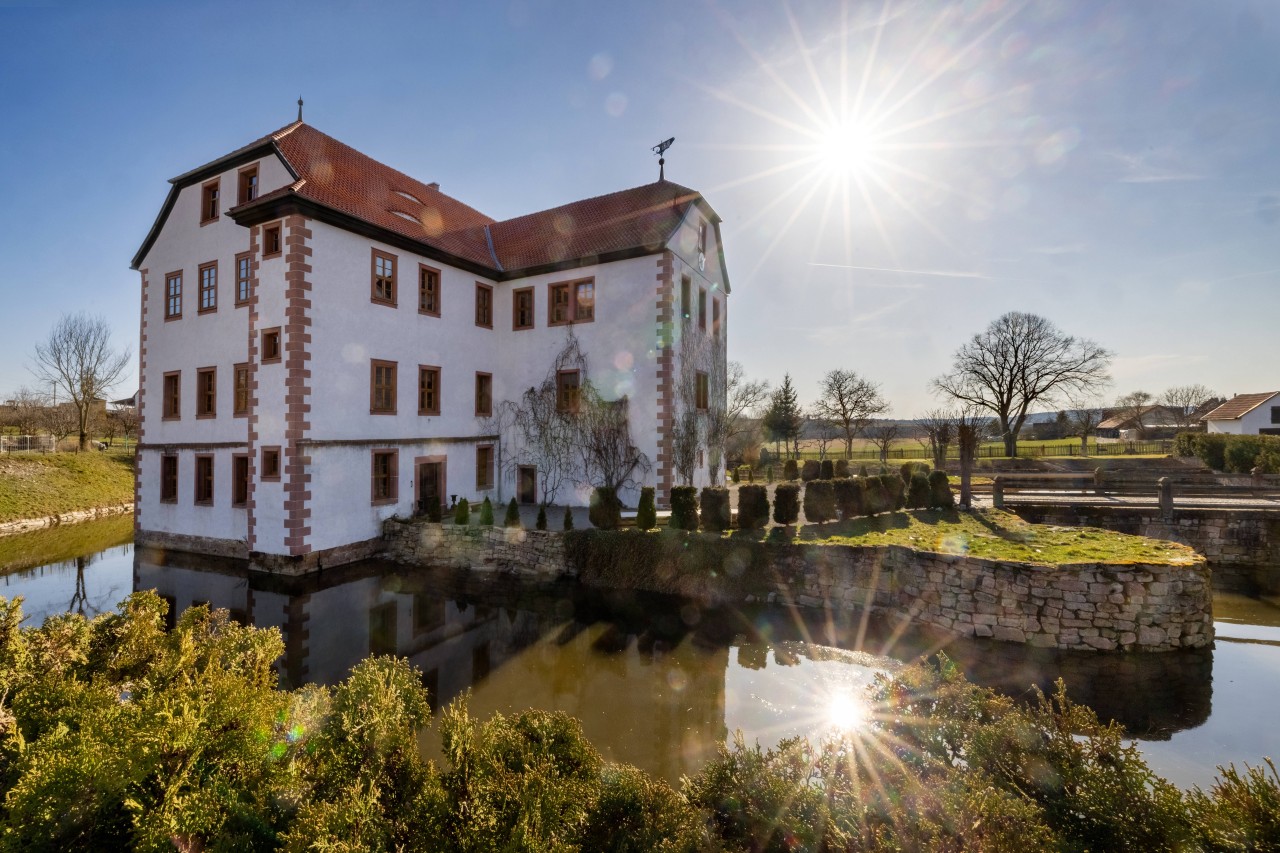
(327,342)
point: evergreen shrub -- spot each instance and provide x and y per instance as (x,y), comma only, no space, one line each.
(541,523)
(918,491)
(790,471)
(736,475)
(684,508)
(486,513)
(940,495)
(435,512)
(605,510)
(786,503)
(819,501)
(849,494)
(877,496)
(897,490)
(769,475)
(827,470)
(862,471)
(715,508)
(568,519)
(811,470)
(646,512)
(842,467)
(910,469)
(513,514)
(753,507)
(462,513)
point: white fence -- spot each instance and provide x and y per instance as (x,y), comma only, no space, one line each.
(26,444)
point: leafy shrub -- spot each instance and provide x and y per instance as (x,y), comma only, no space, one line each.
(819,501)
(910,469)
(896,489)
(1238,454)
(850,496)
(786,503)
(878,499)
(790,471)
(810,470)
(486,513)
(435,512)
(541,523)
(462,513)
(918,491)
(646,512)
(715,508)
(567,523)
(513,514)
(827,470)
(605,510)
(753,507)
(1241,811)
(842,468)
(684,508)
(940,494)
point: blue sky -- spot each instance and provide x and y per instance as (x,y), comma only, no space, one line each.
(891,176)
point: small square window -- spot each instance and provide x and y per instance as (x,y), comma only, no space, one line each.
(204,480)
(571,302)
(168,479)
(428,291)
(484,395)
(272,244)
(240,398)
(209,202)
(208,276)
(384,475)
(248,184)
(173,295)
(271,463)
(484,466)
(382,387)
(383,284)
(244,273)
(522,308)
(428,390)
(484,305)
(567,391)
(207,392)
(271,345)
(172,402)
(239,479)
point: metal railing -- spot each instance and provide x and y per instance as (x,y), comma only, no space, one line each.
(26,444)
(991,451)
(1041,487)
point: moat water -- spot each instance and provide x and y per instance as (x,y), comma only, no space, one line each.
(657,682)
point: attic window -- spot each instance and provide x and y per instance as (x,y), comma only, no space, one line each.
(408,217)
(403,194)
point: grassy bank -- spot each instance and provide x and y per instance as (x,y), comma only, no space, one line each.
(62,543)
(39,485)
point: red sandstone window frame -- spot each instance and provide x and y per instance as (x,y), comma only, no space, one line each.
(273,240)
(384,476)
(272,347)
(568,396)
(382,386)
(702,391)
(484,467)
(702,309)
(244,278)
(169,478)
(428,390)
(239,479)
(173,295)
(686,299)
(270,464)
(247,184)
(206,392)
(484,394)
(240,390)
(702,238)
(429,290)
(383,282)
(171,396)
(207,282)
(715,317)
(210,201)
(519,322)
(204,484)
(484,305)
(566,305)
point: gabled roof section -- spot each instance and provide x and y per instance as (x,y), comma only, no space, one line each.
(1239,406)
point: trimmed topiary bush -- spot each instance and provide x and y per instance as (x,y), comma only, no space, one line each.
(769,475)
(918,491)
(819,501)
(827,470)
(646,513)
(715,508)
(896,489)
(513,514)
(877,497)
(753,507)
(810,471)
(462,513)
(790,471)
(910,469)
(940,495)
(850,498)
(486,513)
(435,512)
(684,508)
(605,510)
(568,519)
(786,503)
(736,475)
(541,523)
(862,471)
(842,468)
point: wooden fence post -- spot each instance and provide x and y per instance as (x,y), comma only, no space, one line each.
(1166,498)
(997,492)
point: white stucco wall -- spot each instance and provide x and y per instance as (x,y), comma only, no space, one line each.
(1251,422)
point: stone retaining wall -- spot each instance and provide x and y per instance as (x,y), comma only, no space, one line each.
(1083,607)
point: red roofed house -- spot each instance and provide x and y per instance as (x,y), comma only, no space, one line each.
(325,341)
(1247,414)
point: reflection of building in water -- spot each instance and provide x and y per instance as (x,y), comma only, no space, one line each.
(647,690)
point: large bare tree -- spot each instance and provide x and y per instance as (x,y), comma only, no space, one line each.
(1020,360)
(883,435)
(79,359)
(1185,401)
(850,402)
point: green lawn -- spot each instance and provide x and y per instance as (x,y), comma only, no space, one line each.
(998,535)
(37,485)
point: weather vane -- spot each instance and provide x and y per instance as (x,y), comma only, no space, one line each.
(660,149)
(299,108)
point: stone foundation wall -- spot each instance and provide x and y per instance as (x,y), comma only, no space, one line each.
(1082,607)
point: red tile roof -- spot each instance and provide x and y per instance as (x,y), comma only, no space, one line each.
(1239,406)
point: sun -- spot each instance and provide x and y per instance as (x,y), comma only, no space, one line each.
(846,150)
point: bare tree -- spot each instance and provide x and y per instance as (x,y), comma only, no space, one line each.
(25,411)
(60,421)
(883,435)
(744,397)
(850,402)
(127,416)
(543,424)
(79,359)
(970,428)
(938,428)
(1021,359)
(822,430)
(728,421)
(1133,408)
(609,457)
(1184,401)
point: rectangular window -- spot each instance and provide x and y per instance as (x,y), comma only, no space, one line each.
(248,184)
(209,202)
(484,466)
(385,485)
(567,391)
(172,405)
(428,390)
(244,268)
(484,394)
(208,278)
(686,298)
(715,317)
(702,238)
(173,295)
(383,285)
(168,479)
(207,392)
(702,308)
(239,479)
(571,302)
(428,291)
(382,387)
(702,390)
(272,245)
(240,391)
(204,480)
(484,305)
(522,308)
(1275,414)
(271,463)
(270,345)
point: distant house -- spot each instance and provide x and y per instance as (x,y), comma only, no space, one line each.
(1146,422)
(1247,414)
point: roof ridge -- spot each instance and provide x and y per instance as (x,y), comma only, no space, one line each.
(680,190)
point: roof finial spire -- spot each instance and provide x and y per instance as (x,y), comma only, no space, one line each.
(299,108)
(660,149)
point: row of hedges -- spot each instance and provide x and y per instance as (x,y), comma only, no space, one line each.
(1236,454)
(827,469)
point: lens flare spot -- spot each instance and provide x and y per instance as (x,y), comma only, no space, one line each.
(600,66)
(616,104)
(623,360)
(847,712)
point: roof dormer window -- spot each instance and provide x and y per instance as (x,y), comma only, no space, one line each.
(248,184)
(209,202)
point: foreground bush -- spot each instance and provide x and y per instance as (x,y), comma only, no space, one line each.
(786,503)
(714,506)
(605,510)
(810,470)
(118,735)
(646,512)
(850,496)
(753,507)
(1236,454)
(684,508)
(819,501)
(790,471)
(940,494)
